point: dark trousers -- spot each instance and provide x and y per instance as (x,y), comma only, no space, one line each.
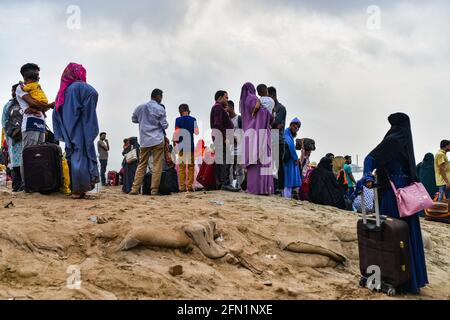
(223,165)
(16,179)
(103,165)
(279,183)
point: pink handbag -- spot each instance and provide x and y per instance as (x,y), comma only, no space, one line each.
(412,199)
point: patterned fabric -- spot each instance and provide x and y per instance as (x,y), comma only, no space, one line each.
(73,73)
(368,200)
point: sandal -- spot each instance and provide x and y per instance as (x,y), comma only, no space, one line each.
(83,196)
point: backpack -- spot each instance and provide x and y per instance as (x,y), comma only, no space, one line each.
(13,127)
(50,136)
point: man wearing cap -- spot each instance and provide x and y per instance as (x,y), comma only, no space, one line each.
(292,177)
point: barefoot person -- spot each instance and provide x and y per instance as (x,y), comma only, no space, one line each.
(75,123)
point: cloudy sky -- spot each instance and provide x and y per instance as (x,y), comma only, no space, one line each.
(340,69)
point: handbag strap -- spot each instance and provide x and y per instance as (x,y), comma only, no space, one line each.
(393,186)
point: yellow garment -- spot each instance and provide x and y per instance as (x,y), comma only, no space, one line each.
(184,158)
(441,158)
(36,92)
(66,175)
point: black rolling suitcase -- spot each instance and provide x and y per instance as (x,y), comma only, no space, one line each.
(384,246)
(42,168)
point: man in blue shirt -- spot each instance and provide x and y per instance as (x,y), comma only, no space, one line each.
(185,128)
(152,121)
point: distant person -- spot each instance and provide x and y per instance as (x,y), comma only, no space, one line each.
(220,122)
(33,122)
(442,170)
(426,174)
(279,123)
(130,168)
(351,182)
(237,170)
(152,121)
(257,153)
(75,123)
(394,160)
(324,188)
(185,128)
(266,102)
(12,109)
(305,162)
(103,151)
(293,177)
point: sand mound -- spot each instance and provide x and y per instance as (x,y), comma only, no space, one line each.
(230,246)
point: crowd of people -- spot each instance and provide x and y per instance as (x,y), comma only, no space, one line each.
(256,151)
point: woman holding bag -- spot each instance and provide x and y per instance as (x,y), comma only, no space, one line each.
(129,164)
(394,162)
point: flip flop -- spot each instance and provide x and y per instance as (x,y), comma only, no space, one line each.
(83,196)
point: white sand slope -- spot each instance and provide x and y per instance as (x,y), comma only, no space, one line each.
(42,236)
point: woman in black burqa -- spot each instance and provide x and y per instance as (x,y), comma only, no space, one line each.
(324,188)
(394,160)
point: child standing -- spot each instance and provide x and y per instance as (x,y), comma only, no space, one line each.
(185,128)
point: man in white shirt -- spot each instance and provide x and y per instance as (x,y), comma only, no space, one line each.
(152,121)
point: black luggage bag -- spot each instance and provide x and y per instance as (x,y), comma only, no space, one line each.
(306,143)
(168,185)
(42,168)
(383,243)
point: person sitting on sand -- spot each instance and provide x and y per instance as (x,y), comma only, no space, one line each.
(324,188)
(75,123)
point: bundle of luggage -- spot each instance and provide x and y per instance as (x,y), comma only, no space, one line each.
(305,144)
(113,178)
(440,211)
(168,185)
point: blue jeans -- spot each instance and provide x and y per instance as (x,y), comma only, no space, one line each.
(443,189)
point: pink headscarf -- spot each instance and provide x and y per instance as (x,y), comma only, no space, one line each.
(73,73)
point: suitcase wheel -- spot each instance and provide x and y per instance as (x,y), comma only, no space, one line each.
(388,289)
(363,282)
(391,292)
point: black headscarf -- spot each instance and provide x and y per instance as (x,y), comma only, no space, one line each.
(324,188)
(396,145)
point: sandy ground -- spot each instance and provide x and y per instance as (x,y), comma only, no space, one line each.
(42,236)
